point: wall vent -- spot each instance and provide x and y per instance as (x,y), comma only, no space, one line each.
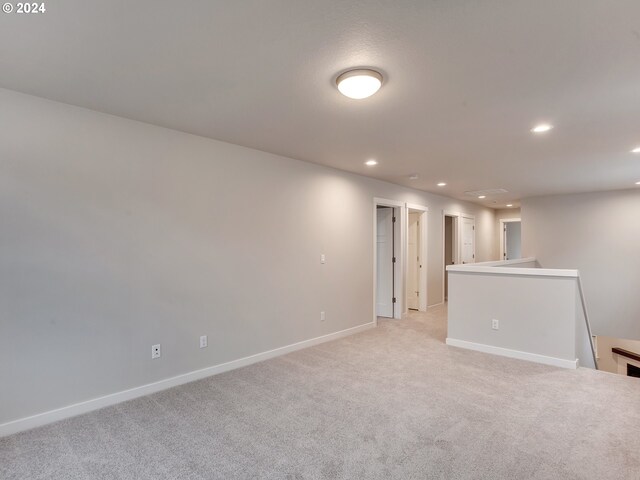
(487,192)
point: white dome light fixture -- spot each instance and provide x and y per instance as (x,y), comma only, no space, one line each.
(359,83)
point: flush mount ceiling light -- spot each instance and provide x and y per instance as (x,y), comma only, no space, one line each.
(509,204)
(542,128)
(636,150)
(370,163)
(482,196)
(359,83)
(442,184)
(413,177)
(637,183)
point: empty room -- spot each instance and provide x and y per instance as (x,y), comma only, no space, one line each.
(320,240)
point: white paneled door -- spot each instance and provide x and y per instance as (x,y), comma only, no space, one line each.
(384,262)
(468,246)
(413,274)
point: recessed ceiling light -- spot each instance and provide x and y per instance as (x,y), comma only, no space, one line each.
(360,83)
(442,184)
(413,177)
(543,127)
(509,204)
(482,196)
(637,183)
(636,150)
(370,163)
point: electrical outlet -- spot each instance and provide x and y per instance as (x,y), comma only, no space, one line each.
(495,324)
(155,351)
(203,341)
(322,316)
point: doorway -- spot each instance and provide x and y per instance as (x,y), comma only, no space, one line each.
(510,246)
(458,243)
(450,248)
(385,278)
(388,255)
(416,260)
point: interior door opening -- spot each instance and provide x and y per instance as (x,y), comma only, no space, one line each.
(510,247)
(385,261)
(450,250)
(416,259)
(459,243)
(413,262)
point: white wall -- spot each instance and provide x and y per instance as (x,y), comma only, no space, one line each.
(599,234)
(536,315)
(115,235)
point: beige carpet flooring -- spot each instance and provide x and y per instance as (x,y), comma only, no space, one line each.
(390,403)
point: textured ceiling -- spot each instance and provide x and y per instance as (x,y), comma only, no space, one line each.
(464,82)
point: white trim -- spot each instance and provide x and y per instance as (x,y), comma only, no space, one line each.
(503,235)
(375,262)
(498,269)
(423,254)
(505,352)
(415,206)
(387,203)
(44,418)
(498,263)
(536,272)
(399,273)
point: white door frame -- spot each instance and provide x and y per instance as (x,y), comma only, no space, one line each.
(422,274)
(503,233)
(399,252)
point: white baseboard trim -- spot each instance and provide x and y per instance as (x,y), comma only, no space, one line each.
(505,352)
(51,416)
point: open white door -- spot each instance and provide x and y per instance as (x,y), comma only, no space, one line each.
(384,262)
(468,247)
(413,261)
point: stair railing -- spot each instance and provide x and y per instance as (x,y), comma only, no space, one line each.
(586,319)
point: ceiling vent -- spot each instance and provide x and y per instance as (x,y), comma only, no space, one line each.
(487,192)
